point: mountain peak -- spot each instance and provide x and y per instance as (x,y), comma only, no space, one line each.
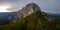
(28,9)
(33,6)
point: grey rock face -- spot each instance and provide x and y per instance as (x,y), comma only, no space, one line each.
(48,17)
(27,10)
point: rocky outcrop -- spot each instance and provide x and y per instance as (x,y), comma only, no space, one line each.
(32,8)
(27,10)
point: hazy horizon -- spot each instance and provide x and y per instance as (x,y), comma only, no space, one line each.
(51,6)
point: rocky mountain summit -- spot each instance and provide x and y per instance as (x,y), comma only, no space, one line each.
(32,8)
(27,10)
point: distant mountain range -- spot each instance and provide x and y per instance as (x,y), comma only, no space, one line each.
(6,17)
(55,15)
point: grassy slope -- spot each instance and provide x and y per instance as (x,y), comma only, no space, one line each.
(11,26)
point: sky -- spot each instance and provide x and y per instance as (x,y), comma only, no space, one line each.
(51,6)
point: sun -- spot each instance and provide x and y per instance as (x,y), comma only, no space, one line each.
(3,8)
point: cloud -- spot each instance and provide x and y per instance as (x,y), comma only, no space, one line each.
(49,5)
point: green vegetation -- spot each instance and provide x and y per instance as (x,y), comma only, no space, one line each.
(10,26)
(35,21)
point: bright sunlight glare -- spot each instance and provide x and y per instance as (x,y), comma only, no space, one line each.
(4,8)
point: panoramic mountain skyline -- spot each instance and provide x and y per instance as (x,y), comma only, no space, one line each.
(29,17)
(51,6)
